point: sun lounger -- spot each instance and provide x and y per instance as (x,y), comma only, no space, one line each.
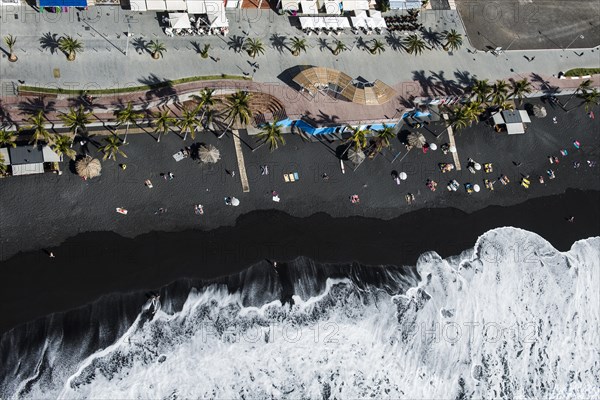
(291,176)
(178,156)
(148,183)
(286,177)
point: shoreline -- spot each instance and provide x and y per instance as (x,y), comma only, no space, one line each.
(90,265)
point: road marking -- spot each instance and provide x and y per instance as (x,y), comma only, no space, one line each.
(453,143)
(240,159)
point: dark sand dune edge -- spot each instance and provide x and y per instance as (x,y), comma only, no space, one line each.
(93,264)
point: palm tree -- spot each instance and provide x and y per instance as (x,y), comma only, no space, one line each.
(473,110)
(590,99)
(8,138)
(112,147)
(378,47)
(499,92)
(339,47)
(10,41)
(40,132)
(162,123)
(127,116)
(3,166)
(460,118)
(76,119)
(453,40)
(507,105)
(204,51)
(298,45)
(414,45)
(239,107)
(583,86)
(156,49)
(271,134)
(358,137)
(62,146)
(254,47)
(205,101)
(189,121)
(520,89)
(384,137)
(482,90)
(70,47)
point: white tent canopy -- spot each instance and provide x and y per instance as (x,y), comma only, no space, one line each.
(332,7)
(156,5)
(350,5)
(376,23)
(358,22)
(307,22)
(309,7)
(49,155)
(179,21)
(138,5)
(217,19)
(196,7)
(176,5)
(28,169)
(290,5)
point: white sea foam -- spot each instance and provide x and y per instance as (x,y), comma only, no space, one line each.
(511,318)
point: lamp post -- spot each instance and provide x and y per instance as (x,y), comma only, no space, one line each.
(573,41)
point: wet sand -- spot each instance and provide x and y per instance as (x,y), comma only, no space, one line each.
(90,265)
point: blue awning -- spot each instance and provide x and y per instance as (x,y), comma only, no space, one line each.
(63,3)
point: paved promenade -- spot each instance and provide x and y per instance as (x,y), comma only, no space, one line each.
(103,64)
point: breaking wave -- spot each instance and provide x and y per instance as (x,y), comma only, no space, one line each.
(511,318)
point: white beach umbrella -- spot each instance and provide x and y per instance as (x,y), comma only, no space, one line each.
(477,166)
(452,149)
(403,176)
(476,188)
(235,202)
(433,146)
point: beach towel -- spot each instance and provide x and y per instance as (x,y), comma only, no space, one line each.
(564,152)
(296,176)
(576,144)
(286,177)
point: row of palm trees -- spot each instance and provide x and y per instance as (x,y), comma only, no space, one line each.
(485,95)
(413,44)
(191,118)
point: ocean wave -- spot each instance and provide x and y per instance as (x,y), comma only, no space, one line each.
(511,317)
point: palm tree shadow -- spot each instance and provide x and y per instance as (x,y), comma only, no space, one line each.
(279,42)
(140,45)
(427,83)
(544,84)
(434,39)
(465,79)
(361,44)
(394,41)
(49,41)
(161,89)
(323,44)
(32,106)
(236,43)
(323,118)
(447,85)
(197,47)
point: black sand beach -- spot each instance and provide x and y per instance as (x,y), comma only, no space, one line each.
(90,265)
(104,252)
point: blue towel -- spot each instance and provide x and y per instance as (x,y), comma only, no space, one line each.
(296,176)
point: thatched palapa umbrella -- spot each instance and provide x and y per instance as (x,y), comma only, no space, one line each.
(88,167)
(209,154)
(539,112)
(416,140)
(356,156)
